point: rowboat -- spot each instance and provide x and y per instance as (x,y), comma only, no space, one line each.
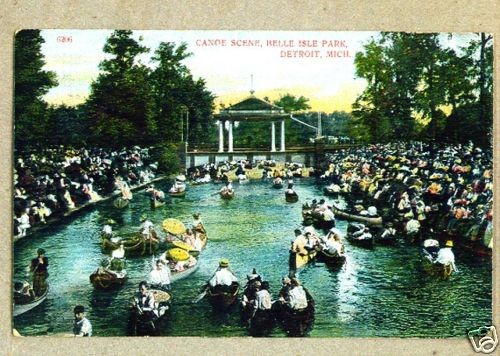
(120,203)
(332,260)
(104,278)
(436,269)
(296,322)
(155,203)
(364,240)
(176,276)
(177,194)
(221,298)
(149,324)
(291,198)
(227,194)
(133,247)
(297,260)
(312,218)
(262,323)
(23,304)
(277,184)
(370,221)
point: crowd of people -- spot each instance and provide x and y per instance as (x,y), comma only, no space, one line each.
(50,182)
(423,189)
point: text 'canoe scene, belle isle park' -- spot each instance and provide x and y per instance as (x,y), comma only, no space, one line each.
(252,183)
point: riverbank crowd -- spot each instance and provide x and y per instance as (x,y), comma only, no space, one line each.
(424,189)
(51,182)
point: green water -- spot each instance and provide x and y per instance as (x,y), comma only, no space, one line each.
(377,293)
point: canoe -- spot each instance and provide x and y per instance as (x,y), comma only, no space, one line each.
(331,193)
(316,220)
(389,240)
(296,322)
(176,276)
(107,279)
(155,203)
(277,185)
(23,306)
(227,194)
(120,203)
(262,323)
(133,247)
(146,325)
(177,194)
(437,270)
(297,261)
(291,198)
(332,260)
(362,242)
(370,221)
(223,299)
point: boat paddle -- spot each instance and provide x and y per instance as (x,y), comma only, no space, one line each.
(201,295)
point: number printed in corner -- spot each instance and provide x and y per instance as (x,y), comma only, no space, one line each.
(64,39)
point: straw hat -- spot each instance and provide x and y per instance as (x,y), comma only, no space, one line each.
(224,262)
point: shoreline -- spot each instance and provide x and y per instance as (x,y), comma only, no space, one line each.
(41,227)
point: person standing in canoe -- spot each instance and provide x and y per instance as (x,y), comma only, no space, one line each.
(223,278)
(198,227)
(39,268)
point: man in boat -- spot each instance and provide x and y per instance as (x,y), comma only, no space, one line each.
(289,190)
(263,300)
(107,231)
(23,293)
(223,278)
(333,244)
(446,256)
(119,252)
(283,295)
(250,288)
(297,295)
(299,244)
(39,268)
(227,188)
(159,277)
(81,326)
(431,247)
(144,303)
(197,224)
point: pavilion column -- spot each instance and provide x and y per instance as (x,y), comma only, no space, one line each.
(282,136)
(221,136)
(273,137)
(230,138)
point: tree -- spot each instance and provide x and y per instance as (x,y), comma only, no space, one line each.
(291,103)
(119,106)
(31,82)
(179,98)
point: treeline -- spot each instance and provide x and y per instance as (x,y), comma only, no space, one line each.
(418,88)
(129,102)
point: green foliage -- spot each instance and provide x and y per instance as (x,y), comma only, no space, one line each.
(31,83)
(167,156)
(411,78)
(291,103)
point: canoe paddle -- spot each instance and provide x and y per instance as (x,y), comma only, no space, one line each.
(200,296)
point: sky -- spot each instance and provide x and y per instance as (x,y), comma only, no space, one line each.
(317,65)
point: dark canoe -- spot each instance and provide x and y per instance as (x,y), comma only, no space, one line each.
(370,221)
(298,261)
(316,220)
(477,248)
(291,198)
(389,240)
(133,247)
(437,270)
(149,325)
(21,305)
(227,194)
(296,322)
(120,203)
(362,242)
(223,299)
(262,323)
(177,194)
(155,203)
(277,185)
(107,279)
(332,260)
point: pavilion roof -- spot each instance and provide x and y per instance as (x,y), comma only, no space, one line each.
(252,108)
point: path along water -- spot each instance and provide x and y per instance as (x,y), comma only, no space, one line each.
(377,293)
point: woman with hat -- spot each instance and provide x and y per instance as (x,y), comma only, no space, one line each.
(39,268)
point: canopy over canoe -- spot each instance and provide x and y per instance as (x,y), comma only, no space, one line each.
(174,226)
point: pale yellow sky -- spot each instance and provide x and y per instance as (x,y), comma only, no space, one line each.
(317,65)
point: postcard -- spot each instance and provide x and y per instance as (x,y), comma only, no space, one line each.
(321,184)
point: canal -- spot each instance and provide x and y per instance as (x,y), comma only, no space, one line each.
(377,293)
